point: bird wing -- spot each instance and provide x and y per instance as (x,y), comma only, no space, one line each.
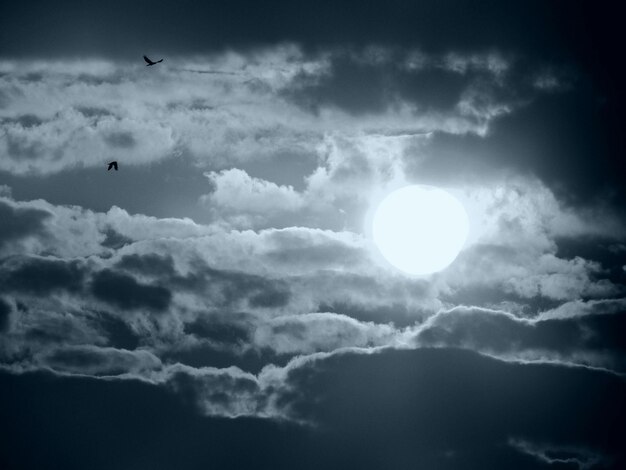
(147,60)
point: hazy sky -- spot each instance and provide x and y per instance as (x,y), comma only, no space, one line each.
(218,302)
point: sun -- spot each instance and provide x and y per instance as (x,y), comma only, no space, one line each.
(420,229)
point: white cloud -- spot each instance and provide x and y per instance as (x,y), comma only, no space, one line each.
(236,195)
(306,334)
(222,109)
(578,308)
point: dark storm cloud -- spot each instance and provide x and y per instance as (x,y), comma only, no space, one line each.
(260,292)
(564,138)
(225,288)
(79,422)
(287,323)
(216,25)
(609,252)
(41,276)
(119,334)
(207,355)
(232,328)
(124,291)
(504,334)
(150,264)
(18,222)
(374,80)
(5,313)
(455,409)
(445,409)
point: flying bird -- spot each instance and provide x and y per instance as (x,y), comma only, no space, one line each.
(150,62)
(112,165)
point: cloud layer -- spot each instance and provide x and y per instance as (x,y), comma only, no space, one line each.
(224,283)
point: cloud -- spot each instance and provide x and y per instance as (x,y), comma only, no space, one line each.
(238,199)
(520,220)
(5,315)
(93,360)
(581,458)
(66,114)
(210,297)
(472,405)
(306,334)
(578,308)
(41,276)
(269,303)
(374,79)
(583,339)
(123,291)
(226,392)
(19,223)
(369,409)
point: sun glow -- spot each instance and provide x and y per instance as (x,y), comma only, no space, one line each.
(420,229)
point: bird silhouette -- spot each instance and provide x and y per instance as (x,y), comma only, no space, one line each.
(150,62)
(112,165)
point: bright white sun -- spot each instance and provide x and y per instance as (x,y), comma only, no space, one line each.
(420,229)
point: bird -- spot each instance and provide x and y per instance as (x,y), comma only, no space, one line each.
(112,165)
(150,62)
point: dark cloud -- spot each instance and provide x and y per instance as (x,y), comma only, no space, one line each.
(126,292)
(151,264)
(455,409)
(41,275)
(118,332)
(229,329)
(210,354)
(80,421)
(610,253)
(20,147)
(564,138)
(18,222)
(93,111)
(259,291)
(25,120)
(115,239)
(338,101)
(268,298)
(224,288)
(5,314)
(502,333)
(229,288)
(445,409)
(123,140)
(213,25)
(359,84)
(357,88)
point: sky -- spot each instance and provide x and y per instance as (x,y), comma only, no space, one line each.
(219,302)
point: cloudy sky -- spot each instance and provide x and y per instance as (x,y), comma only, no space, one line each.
(219,302)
